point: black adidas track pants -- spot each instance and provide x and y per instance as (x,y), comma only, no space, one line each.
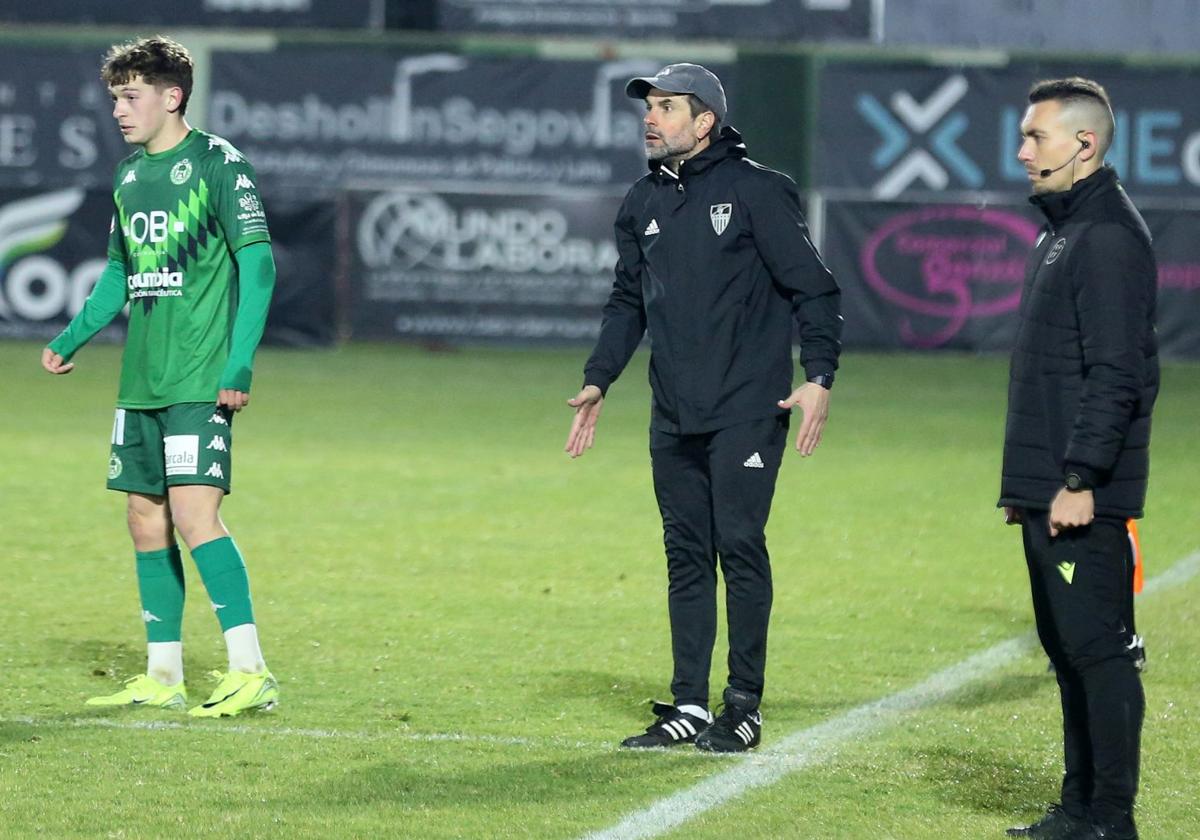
(714,492)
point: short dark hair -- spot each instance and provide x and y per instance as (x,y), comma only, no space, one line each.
(160,61)
(697,106)
(1076,90)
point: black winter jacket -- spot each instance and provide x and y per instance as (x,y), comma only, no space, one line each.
(715,263)
(1084,372)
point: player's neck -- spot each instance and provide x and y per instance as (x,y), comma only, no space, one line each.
(170,136)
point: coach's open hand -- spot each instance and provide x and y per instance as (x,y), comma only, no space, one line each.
(587,404)
(813,400)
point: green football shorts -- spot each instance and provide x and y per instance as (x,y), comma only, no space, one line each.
(157,448)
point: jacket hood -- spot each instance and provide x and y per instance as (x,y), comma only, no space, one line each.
(728,145)
(1059,207)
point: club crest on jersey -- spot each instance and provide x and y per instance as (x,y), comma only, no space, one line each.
(181,171)
(1056,250)
(719,215)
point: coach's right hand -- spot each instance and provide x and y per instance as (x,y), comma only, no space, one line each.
(587,404)
(54,363)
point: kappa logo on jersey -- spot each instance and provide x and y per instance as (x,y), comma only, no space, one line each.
(180,454)
(215,471)
(1056,250)
(719,215)
(130,177)
(243,182)
(217,443)
(651,228)
(232,155)
(219,419)
(181,171)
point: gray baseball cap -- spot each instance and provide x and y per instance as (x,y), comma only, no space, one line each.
(683,78)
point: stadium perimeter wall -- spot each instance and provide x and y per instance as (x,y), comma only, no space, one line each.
(462,189)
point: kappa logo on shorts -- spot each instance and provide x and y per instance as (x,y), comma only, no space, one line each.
(181,453)
(148,616)
(114,467)
(217,443)
(219,419)
(214,471)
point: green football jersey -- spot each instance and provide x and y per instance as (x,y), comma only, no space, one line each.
(180,216)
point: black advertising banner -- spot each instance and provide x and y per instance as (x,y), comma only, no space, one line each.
(438,266)
(429,117)
(273,14)
(944,276)
(56,125)
(52,251)
(788,20)
(928,276)
(53,247)
(888,130)
(1177,249)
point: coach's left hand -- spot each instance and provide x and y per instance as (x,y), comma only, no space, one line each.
(813,400)
(1071,510)
(233,399)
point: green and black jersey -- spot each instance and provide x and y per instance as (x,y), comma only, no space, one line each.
(181,215)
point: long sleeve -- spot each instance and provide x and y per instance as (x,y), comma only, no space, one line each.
(624,318)
(781,236)
(103,305)
(1114,287)
(256,281)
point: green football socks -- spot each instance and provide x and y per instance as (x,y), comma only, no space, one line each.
(160,583)
(224,574)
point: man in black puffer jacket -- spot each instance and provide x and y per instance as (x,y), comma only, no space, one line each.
(1083,382)
(715,263)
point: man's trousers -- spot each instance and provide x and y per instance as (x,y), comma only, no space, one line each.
(714,492)
(1080,584)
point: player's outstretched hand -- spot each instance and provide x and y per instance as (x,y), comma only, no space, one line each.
(54,363)
(813,400)
(232,399)
(587,404)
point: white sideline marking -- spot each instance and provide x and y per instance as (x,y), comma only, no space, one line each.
(814,744)
(336,734)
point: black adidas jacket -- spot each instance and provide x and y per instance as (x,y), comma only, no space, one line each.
(1084,372)
(715,264)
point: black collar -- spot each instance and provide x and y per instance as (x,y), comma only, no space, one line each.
(1060,206)
(728,145)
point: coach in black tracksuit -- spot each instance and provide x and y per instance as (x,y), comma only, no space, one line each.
(1083,381)
(716,265)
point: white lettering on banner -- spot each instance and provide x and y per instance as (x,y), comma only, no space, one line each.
(456,121)
(78,136)
(17,146)
(406,230)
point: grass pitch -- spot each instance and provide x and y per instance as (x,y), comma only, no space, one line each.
(464,622)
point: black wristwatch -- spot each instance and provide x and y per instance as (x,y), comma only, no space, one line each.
(1075,483)
(825,380)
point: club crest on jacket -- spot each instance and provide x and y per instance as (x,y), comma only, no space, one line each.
(719,215)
